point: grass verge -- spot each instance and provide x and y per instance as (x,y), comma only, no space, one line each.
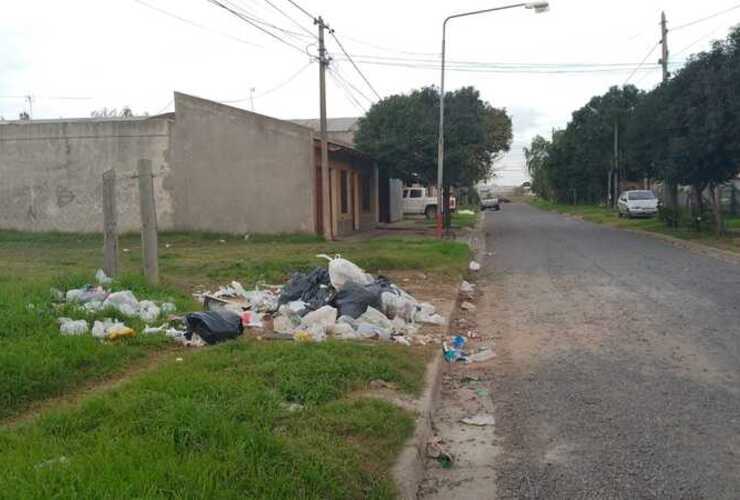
(219,425)
(601,215)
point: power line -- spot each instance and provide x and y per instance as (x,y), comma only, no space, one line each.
(271,4)
(357,68)
(197,25)
(273,89)
(703,37)
(692,23)
(237,5)
(302,9)
(641,63)
(248,20)
(339,74)
(347,92)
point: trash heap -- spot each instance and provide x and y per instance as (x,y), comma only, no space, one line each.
(92,299)
(341,301)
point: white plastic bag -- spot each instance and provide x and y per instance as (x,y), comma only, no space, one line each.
(324,317)
(124,302)
(474,266)
(148,311)
(397,306)
(68,326)
(342,271)
(103,278)
(377,318)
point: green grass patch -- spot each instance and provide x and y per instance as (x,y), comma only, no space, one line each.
(37,363)
(218,425)
(602,215)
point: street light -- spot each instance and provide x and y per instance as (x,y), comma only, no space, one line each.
(538,7)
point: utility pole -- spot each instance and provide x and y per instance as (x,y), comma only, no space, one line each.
(325,202)
(670,188)
(251,97)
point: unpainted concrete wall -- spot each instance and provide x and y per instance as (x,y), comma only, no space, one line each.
(240,172)
(51,173)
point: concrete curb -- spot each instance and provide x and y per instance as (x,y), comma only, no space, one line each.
(408,472)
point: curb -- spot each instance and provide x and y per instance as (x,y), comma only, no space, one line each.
(409,470)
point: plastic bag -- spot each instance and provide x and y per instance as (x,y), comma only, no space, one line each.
(313,288)
(342,271)
(397,306)
(148,311)
(124,302)
(86,294)
(103,278)
(353,300)
(324,317)
(474,266)
(111,330)
(68,326)
(214,326)
(168,308)
(377,318)
(262,300)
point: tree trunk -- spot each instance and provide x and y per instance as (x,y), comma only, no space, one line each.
(446,205)
(716,193)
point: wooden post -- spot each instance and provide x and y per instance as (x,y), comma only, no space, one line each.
(148,221)
(110,224)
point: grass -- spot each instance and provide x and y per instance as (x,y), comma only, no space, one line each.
(217,425)
(214,425)
(602,215)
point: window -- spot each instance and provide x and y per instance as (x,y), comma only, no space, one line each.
(405,193)
(366,193)
(343,194)
(415,193)
(641,195)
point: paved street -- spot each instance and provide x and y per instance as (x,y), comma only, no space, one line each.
(619,369)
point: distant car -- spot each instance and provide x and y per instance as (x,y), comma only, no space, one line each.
(491,203)
(637,204)
(416,200)
(503,199)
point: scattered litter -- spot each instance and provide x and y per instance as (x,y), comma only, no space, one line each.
(324,317)
(168,308)
(480,357)
(109,329)
(291,407)
(467,288)
(252,319)
(466,212)
(153,330)
(468,306)
(451,354)
(56,294)
(222,241)
(102,278)
(124,302)
(213,326)
(481,420)
(148,311)
(68,326)
(311,288)
(474,266)
(126,250)
(54,461)
(179,360)
(437,451)
(458,342)
(86,294)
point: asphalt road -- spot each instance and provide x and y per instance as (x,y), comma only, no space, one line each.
(618,369)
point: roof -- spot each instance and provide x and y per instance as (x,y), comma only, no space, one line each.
(345,124)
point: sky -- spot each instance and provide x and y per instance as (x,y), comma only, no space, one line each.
(78,56)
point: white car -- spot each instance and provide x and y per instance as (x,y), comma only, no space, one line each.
(416,200)
(637,204)
(491,202)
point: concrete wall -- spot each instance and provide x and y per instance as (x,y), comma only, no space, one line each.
(396,199)
(51,172)
(240,172)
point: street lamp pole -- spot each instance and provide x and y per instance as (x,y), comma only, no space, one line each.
(538,7)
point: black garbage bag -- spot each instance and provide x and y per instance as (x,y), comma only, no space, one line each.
(313,288)
(353,300)
(214,326)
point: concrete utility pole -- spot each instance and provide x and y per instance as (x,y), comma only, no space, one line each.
(670,189)
(617,183)
(325,202)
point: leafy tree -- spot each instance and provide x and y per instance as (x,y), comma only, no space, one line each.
(400,132)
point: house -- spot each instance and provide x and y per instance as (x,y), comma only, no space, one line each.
(338,129)
(217,168)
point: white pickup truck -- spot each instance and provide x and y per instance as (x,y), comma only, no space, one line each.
(416,200)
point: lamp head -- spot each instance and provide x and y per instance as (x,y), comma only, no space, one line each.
(539,7)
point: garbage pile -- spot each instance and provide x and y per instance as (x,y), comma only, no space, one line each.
(341,302)
(92,299)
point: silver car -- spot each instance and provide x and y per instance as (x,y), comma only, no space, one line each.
(637,204)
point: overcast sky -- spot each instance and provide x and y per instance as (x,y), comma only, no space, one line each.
(117,53)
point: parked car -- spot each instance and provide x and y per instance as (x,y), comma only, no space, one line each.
(637,204)
(490,202)
(416,201)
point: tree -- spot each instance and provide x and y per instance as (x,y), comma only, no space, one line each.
(105,112)
(536,157)
(400,132)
